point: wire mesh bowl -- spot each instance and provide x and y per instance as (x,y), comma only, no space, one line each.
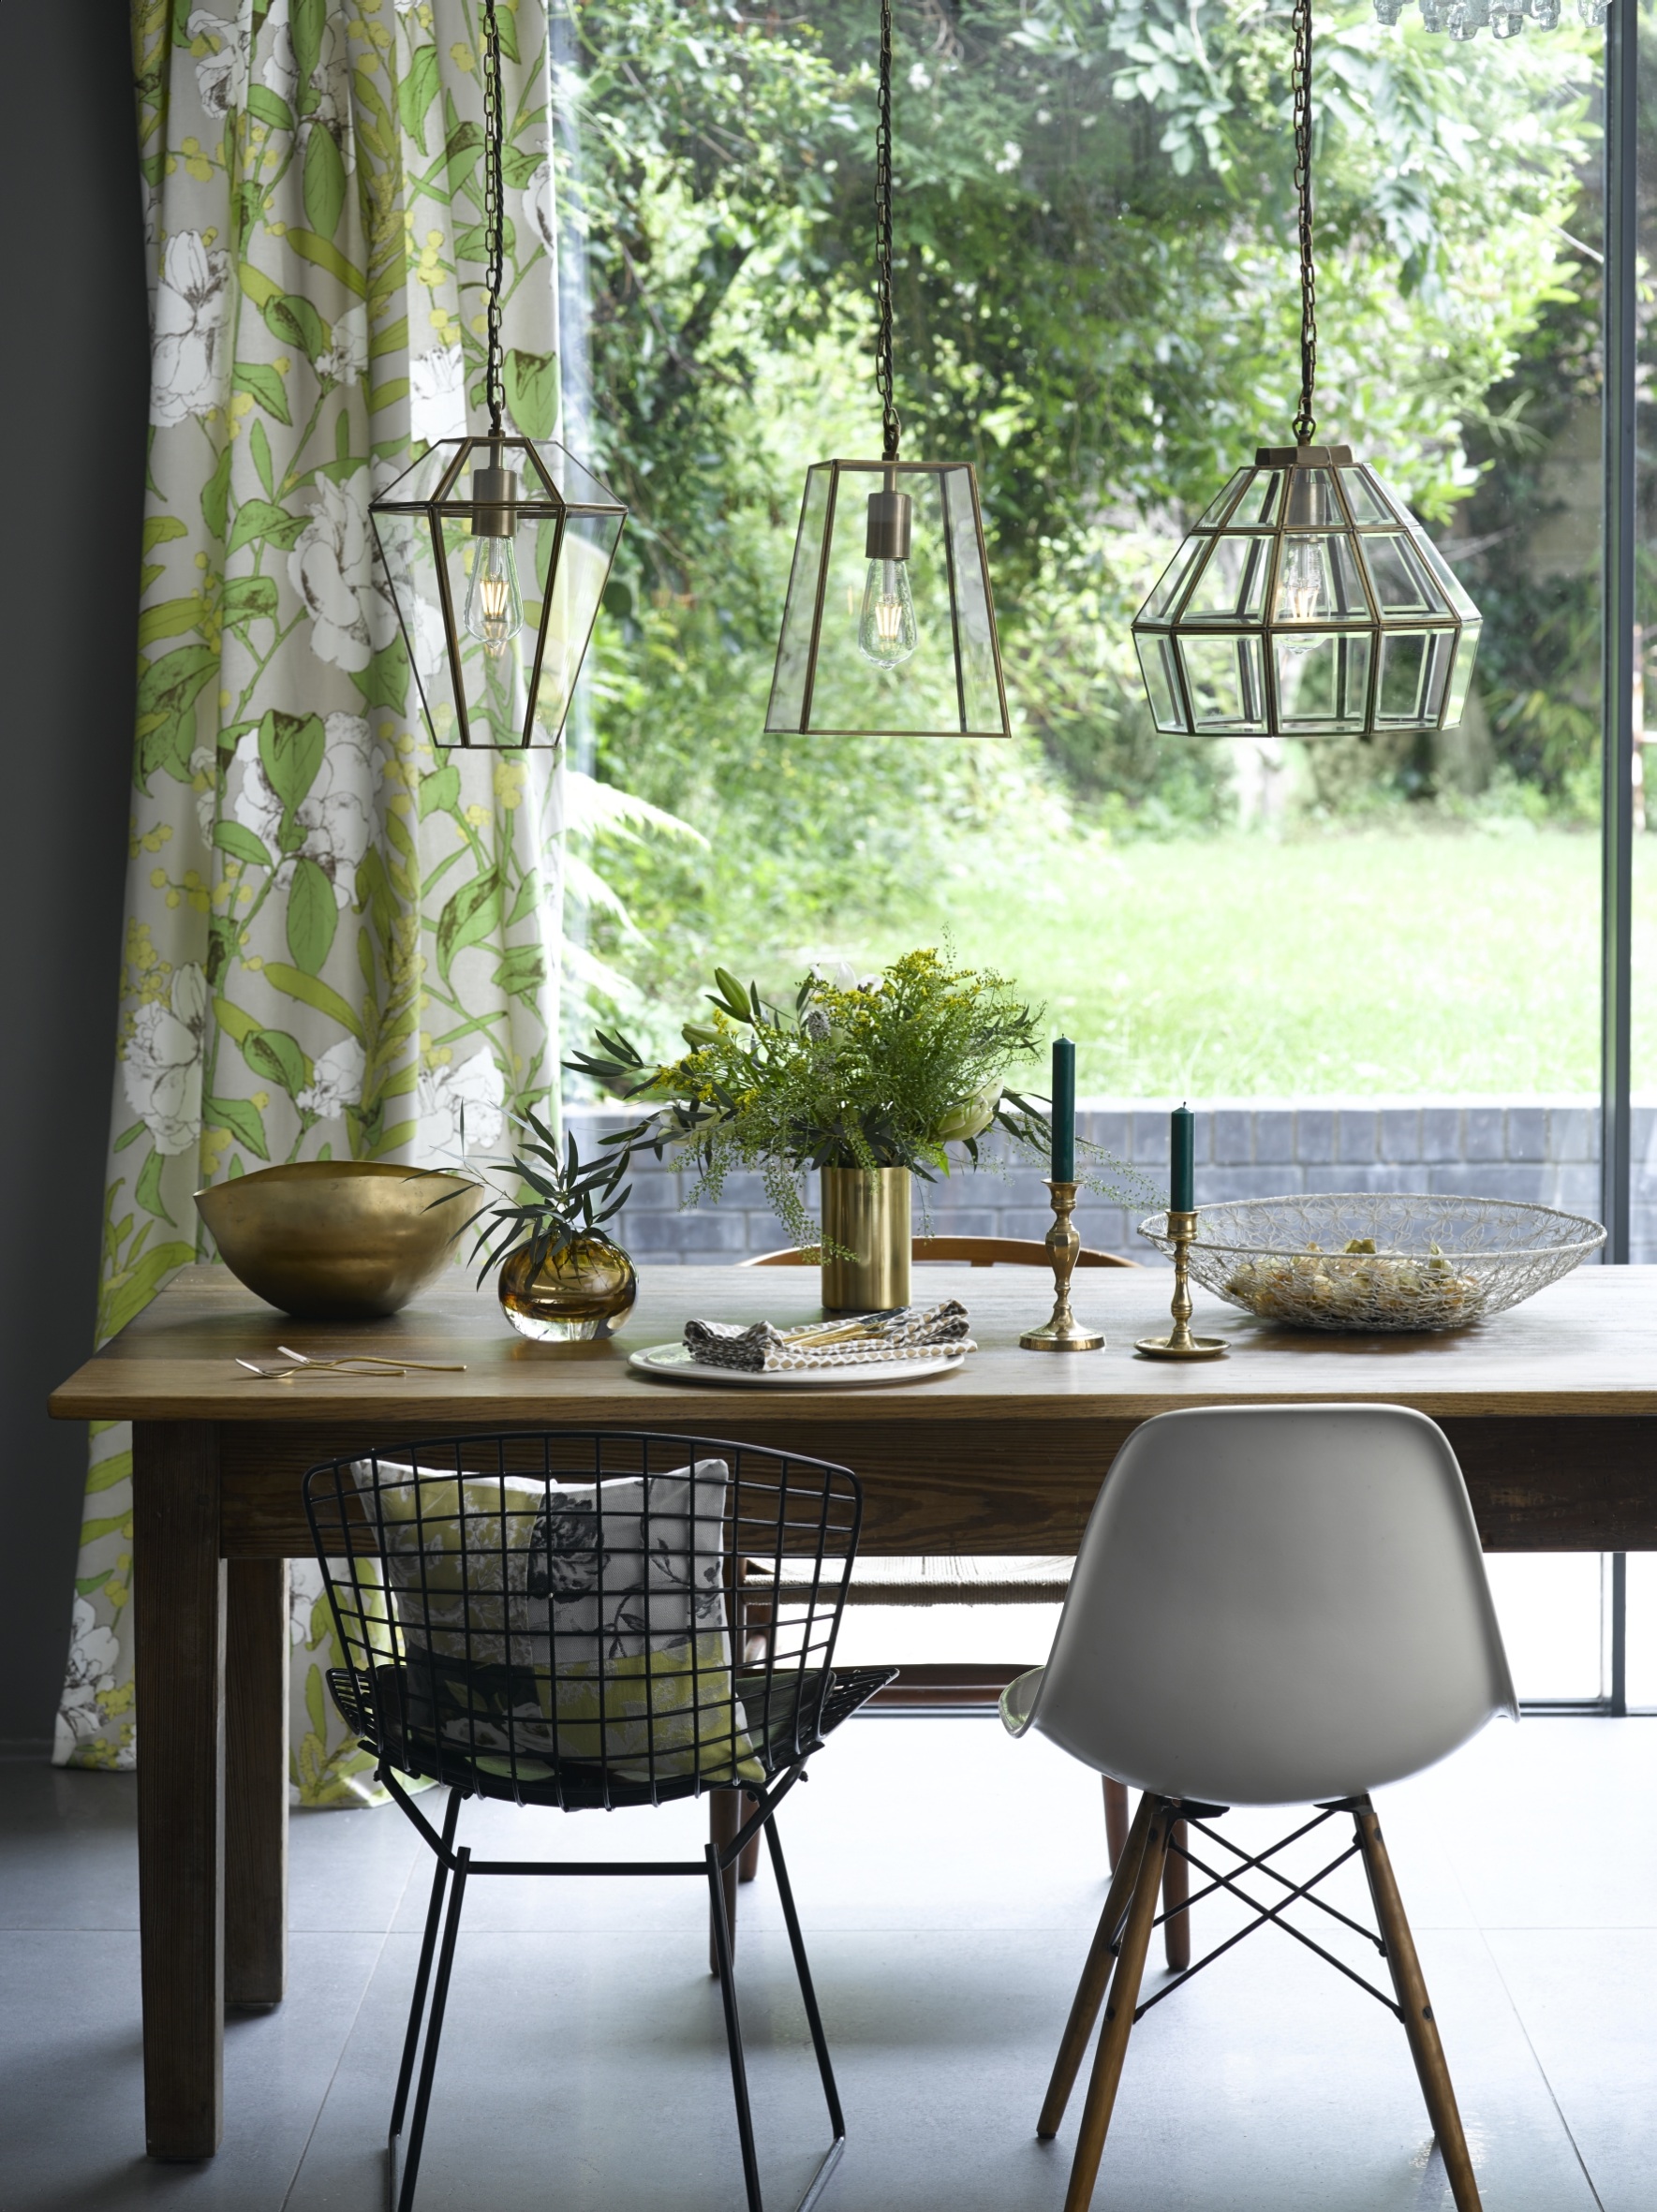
(1355,1260)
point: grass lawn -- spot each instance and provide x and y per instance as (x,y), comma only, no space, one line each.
(1371,961)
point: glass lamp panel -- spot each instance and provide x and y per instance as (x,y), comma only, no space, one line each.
(410,562)
(1258,507)
(565,617)
(1363,496)
(1168,584)
(1225,682)
(927,693)
(1214,514)
(1448,581)
(491,681)
(1156,665)
(1467,653)
(424,478)
(1323,682)
(1231,586)
(1311,500)
(786,712)
(980,695)
(1319,580)
(1403,587)
(571,481)
(1414,669)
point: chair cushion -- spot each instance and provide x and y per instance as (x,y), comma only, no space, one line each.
(545,1622)
(391,1718)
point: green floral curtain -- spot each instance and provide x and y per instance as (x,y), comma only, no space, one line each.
(336,938)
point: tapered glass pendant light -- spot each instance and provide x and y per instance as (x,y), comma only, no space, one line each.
(1307,601)
(497,550)
(889,629)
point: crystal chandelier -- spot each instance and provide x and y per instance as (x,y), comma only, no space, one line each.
(1308,601)
(889,628)
(497,550)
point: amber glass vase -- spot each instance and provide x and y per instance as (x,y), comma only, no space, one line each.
(583,1291)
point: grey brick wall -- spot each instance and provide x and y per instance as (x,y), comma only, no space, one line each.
(1540,1149)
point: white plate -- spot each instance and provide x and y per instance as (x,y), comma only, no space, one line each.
(672,1363)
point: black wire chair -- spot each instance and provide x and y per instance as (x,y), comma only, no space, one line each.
(579,1620)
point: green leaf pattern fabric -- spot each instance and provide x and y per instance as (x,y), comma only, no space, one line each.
(335,941)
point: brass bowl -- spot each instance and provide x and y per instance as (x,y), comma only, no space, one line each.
(340,1240)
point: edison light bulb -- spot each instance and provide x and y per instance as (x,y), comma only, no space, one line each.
(494,605)
(886,626)
(1300,587)
(886,632)
(1300,591)
(494,611)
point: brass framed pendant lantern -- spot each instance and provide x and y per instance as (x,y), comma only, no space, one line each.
(1308,601)
(889,628)
(496,549)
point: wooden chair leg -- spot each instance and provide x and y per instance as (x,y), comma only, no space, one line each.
(1095,1975)
(1419,2024)
(1120,2009)
(1116,1817)
(1175,1888)
(749,1864)
(724,1820)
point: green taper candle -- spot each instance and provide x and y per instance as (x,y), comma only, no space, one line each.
(1064,1111)
(1182,1180)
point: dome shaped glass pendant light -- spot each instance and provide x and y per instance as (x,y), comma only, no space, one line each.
(497,550)
(1307,601)
(889,628)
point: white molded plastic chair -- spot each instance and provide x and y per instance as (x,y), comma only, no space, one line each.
(1271,1605)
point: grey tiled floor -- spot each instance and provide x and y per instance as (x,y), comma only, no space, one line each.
(948,1878)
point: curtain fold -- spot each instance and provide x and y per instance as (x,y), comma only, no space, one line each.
(336,940)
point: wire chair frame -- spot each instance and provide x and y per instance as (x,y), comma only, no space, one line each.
(588,1621)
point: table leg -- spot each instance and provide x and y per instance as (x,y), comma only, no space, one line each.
(178,1586)
(256,1784)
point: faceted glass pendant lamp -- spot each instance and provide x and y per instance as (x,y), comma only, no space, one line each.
(497,550)
(1465,19)
(889,628)
(1307,601)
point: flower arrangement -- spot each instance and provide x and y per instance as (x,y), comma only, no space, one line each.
(885,1071)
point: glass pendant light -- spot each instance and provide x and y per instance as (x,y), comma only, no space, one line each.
(889,628)
(497,550)
(1506,19)
(1307,601)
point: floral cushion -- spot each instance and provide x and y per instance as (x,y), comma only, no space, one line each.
(577,1621)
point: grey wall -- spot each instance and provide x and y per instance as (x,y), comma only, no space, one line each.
(73,387)
(1539,1151)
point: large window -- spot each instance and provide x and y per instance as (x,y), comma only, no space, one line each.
(1382,958)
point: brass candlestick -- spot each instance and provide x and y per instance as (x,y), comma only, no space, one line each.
(1179,1344)
(1063,1331)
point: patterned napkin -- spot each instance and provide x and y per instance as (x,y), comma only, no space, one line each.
(914,1333)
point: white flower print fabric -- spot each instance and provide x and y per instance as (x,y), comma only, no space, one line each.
(337,940)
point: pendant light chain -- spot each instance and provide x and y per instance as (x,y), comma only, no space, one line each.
(1300,82)
(890,424)
(494,215)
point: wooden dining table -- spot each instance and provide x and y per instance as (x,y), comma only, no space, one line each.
(1551,1408)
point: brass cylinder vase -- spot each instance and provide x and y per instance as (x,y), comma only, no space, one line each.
(866,1211)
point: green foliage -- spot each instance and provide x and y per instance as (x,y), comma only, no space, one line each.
(1095,305)
(883,1070)
(570,1202)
